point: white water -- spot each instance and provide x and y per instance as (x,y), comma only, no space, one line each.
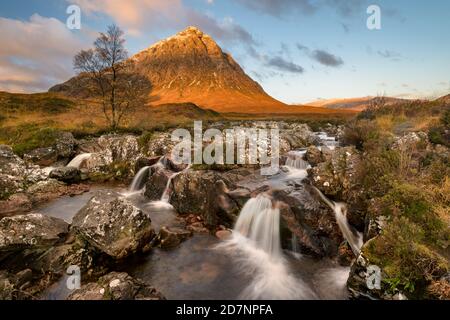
(138,180)
(166,194)
(78,160)
(255,245)
(353,237)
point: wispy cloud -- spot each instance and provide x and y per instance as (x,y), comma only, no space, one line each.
(36,53)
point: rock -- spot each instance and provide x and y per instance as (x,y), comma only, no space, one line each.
(171,237)
(296,136)
(313,223)
(42,156)
(336,177)
(113,225)
(119,148)
(223,234)
(116,286)
(345,255)
(145,162)
(171,165)
(66,174)
(65,145)
(157,182)
(10,163)
(17,203)
(204,193)
(31,231)
(9,185)
(314,156)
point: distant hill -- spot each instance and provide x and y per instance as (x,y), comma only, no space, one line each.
(356,104)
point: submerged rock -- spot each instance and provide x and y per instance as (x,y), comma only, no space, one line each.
(113,225)
(116,286)
(171,237)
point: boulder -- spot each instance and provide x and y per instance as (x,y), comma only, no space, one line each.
(113,225)
(42,156)
(157,182)
(66,174)
(10,163)
(116,286)
(314,156)
(204,193)
(145,162)
(17,203)
(306,217)
(31,232)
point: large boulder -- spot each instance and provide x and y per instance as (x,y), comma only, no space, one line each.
(120,148)
(310,221)
(113,225)
(204,193)
(42,156)
(116,286)
(66,174)
(30,232)
(157,182)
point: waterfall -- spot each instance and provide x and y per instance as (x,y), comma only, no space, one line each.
(138,181)
(79,159)
(166,194)
(297,163)
(353,237)
(256,247)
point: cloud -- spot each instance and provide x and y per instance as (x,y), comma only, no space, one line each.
(139,17)
(279,8)
(283,65)
(321,56)
(389,54)
(36,53)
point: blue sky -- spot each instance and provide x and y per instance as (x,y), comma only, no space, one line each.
(299,50)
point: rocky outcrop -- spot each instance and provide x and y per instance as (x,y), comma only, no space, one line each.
(42,156)
(116,286)
(30,232)
(113,225)
(204,193)
(66,174)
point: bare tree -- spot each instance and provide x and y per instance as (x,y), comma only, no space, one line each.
(107,75)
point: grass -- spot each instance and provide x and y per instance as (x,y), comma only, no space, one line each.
(410,187)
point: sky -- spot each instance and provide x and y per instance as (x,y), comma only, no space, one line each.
(298,50)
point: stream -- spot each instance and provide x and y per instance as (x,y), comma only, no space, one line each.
(250,264)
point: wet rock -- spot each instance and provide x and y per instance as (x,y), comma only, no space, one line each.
(17,203)
(145,162)
(296,136)
(31,232)
(157,182)
(313,223)
(9,185)
(42,156)
(10,163)
(113,225)
(169,238)
(204,193)
(116,286)
(345,255)
(66,174)
(119,148)
(223,234)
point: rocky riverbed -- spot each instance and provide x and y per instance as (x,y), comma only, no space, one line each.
(164,240)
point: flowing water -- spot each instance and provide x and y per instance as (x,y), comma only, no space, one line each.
(139,180)
(78,160)
(250,264)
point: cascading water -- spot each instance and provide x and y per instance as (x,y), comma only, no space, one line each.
(255,244)
(353,237)
(78,160)
(166,194)
(138,181)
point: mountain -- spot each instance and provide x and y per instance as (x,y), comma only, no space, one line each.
(444,99)
(190,67)
(355,104)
